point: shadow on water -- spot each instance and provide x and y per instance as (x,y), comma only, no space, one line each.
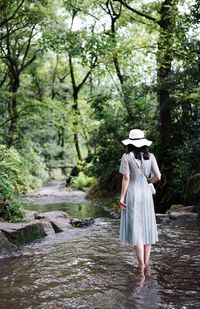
(90,268)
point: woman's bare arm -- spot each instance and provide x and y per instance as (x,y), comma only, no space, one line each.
(154,179)
(125,182)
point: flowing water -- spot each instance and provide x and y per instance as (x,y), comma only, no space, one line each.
(89,268)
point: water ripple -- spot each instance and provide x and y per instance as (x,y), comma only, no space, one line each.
(89,268)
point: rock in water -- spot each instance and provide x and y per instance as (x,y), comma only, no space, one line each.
(20,233)
(81,222)
(5,245)
(59,220)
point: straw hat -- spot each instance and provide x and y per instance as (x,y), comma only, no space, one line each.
(137,138)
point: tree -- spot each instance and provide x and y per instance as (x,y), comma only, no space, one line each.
(17,53)
(165,56)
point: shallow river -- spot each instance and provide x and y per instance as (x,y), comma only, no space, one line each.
(89,268)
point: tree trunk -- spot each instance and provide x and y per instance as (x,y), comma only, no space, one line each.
(75,125)
(76,90)
(165,102)
(123,79)
(164,63)
(61,141)
(15,83)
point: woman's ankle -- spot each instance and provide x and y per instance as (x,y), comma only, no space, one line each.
(141,265)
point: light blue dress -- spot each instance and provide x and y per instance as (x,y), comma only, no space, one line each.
(138,223)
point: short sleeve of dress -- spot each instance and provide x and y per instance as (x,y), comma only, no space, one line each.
(154,167)
(124,166)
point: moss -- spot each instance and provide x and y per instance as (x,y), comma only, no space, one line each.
(25,234)
(176,206)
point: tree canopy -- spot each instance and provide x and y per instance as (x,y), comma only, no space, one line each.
(76,76)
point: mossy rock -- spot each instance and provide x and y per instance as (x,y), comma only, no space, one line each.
(20,234)
(176,206)
(193,190)
(5,245)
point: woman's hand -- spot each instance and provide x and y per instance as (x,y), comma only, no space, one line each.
(153,179)
(122,205)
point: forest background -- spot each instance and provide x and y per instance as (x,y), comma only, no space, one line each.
(76,76)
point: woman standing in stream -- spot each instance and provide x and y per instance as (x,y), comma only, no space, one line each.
(139,168)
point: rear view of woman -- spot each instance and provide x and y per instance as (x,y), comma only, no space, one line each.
(139,169)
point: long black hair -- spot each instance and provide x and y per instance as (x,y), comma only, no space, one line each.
(139,151)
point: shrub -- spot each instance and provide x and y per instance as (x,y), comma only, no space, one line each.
(20,171)
(82,181)
(10,209)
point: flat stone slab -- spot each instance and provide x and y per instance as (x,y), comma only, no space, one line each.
(183,214)
(22,233)
(177,215)
(48,228)
(50,215)
(161,217)
(59,220)
(181,209)
(13,235)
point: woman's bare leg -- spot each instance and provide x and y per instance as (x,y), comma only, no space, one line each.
(147,251)
(140,254)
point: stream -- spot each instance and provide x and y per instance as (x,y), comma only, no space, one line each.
(90,268)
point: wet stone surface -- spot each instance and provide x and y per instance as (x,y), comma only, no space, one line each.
(89,268)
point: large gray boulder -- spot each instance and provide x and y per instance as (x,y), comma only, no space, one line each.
(59,220)
(183,215)
(180,208)
(13,235)
(22,233)
(5,245)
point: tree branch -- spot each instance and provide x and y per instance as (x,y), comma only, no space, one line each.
(87,75)
(83,81)
(12,16)
(72,72)
(123,2)
(23,65)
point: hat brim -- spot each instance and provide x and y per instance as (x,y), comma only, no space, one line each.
(137,143)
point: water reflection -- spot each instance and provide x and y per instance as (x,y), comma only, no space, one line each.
(142,290)
(81,211)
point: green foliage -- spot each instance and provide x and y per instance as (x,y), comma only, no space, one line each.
(25,168)
(21,171)
(113,128)
(82,181)
(11,209)
(37,115)
(12,165)
(14,212)
(6,191)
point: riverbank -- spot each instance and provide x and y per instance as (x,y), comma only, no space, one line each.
(110,204)
(56,192)
(37,224)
